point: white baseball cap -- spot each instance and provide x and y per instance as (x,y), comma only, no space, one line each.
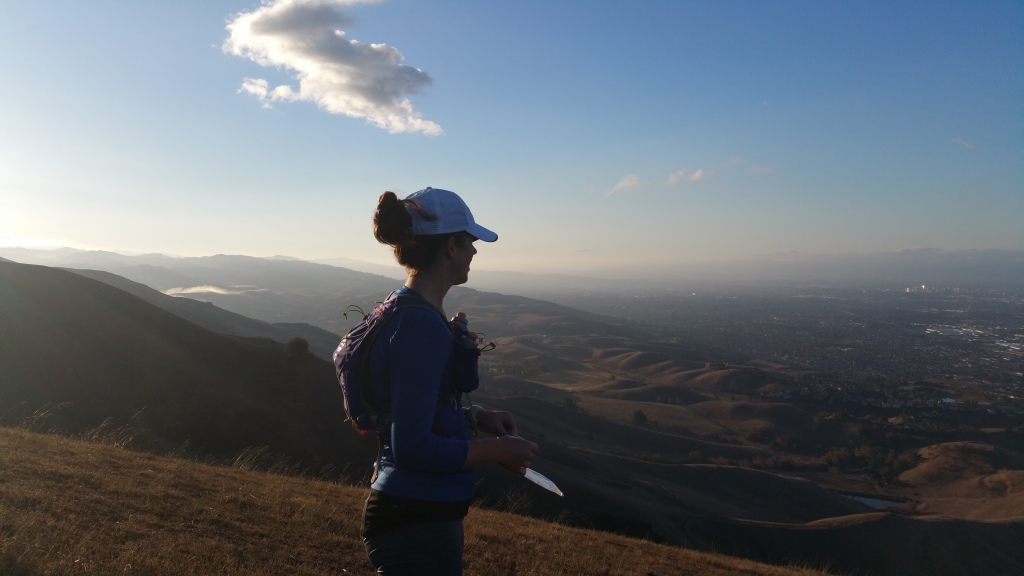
(443,212)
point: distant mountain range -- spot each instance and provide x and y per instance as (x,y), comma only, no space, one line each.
(281,290)
(994,269)
(997,269)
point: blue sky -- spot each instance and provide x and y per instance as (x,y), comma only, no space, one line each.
(590,135)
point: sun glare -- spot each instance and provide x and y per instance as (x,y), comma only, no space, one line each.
(11,241)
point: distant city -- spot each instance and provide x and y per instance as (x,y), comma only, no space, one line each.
(915,347)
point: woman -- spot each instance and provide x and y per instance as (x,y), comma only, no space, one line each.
(424,481)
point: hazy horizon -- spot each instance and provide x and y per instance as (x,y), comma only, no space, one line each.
(597,136)
(908,269)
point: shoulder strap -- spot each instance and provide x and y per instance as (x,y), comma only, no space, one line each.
(400,301)
(414,300)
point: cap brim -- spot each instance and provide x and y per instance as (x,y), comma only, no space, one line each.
(481,233)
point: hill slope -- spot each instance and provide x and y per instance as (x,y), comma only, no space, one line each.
(876,543)
(69,506)
(287,290)
(321,342)
(969,480)
(101,354)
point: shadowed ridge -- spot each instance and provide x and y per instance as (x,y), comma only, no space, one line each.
(321,342)
(874,543)
(100,353)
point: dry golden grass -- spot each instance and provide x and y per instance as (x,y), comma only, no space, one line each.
(968,480)
(665,416)
(74,507)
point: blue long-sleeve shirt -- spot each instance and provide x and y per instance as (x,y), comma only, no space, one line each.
(411,371)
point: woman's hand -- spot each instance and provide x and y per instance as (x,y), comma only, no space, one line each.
(508,449)
(515,453)
(496,423)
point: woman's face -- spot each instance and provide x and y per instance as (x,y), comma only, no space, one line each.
(462,256)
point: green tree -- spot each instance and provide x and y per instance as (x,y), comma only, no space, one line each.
(639,418)
(297,347)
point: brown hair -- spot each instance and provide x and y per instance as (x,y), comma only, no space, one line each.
(392,225)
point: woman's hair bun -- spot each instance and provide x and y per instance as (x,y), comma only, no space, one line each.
(392,224)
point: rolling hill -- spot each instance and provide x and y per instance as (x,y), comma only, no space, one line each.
(77,354)
(321,342)
(969,480)
(85,354)
(289,290)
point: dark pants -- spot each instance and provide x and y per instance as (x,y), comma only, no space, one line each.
(423,549)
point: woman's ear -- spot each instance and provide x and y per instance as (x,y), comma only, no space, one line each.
(451,245)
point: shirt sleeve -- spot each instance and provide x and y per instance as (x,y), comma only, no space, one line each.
(420,346)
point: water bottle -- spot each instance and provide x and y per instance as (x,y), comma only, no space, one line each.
(460,324)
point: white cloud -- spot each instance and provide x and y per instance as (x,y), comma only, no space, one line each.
(964,143)
(677,177)
(341,75)
(256,87)
(629,182)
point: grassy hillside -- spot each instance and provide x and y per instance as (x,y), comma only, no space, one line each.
(969,480)
(83,354)
(68,506)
